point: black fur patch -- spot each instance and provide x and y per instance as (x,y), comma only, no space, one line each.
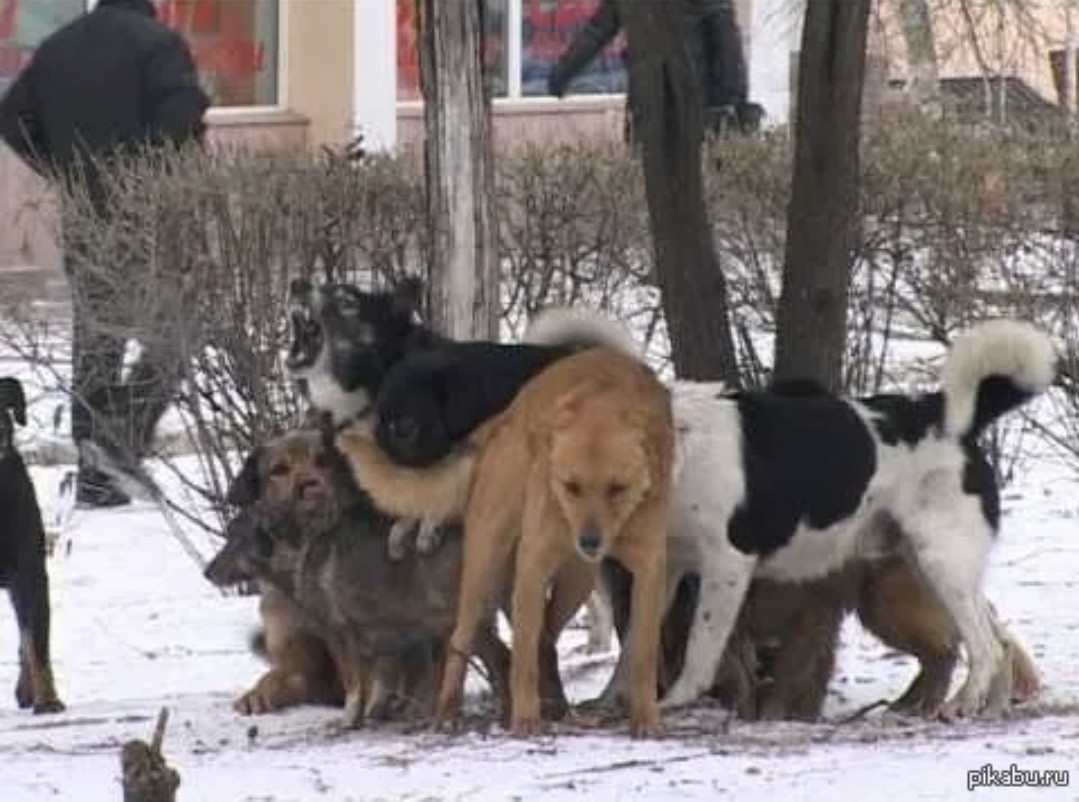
(808,458)
(435,397)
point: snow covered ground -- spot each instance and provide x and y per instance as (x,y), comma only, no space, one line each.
(136,627)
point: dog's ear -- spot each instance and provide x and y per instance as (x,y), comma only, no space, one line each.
(246,487)
(13,399)
(409,294)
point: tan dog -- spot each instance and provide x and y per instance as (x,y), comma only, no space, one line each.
(577,469)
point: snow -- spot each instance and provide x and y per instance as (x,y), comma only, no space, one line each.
(136,627)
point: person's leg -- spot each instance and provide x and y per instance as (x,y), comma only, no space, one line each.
(151,385)
(96,362)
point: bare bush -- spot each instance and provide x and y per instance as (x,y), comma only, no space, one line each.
(199,250)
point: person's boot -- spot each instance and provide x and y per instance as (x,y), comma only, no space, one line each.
(95,489)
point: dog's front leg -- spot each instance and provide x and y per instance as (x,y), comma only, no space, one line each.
(492,522)
(725,575)
(544,545)
(30,598)
(642,549)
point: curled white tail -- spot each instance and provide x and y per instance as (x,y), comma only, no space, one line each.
(1016,353)
(563,325)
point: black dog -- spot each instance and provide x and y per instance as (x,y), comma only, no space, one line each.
(363,355)
(22,560)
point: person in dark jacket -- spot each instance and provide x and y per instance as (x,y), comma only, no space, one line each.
(715,47)
(116,79)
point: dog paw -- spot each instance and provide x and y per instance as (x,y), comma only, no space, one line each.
(648,726)
(400,534)
(254,703)
(527,726)
(24,696)
(46,706)
(429,537)
(352,717)
(677,698)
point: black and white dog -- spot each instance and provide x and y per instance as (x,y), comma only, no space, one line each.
(22,559)
(790,484)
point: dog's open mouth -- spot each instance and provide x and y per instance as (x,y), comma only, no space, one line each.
(307,332)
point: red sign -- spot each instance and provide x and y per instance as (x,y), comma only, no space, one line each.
(9,10)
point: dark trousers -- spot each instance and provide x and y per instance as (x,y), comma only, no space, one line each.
(118,415)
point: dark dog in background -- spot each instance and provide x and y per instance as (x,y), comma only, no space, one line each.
(22,560)
(305,530)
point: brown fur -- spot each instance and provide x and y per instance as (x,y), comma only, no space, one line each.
(791,634)
(337,614)
(302,671)
(583,454)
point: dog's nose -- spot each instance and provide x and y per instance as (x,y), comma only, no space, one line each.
(404,430)
(590,541)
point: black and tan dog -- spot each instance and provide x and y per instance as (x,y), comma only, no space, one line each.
(22,560)
(307,533)
(782,653)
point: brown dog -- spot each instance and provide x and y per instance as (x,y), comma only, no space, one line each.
(577,469)
(782,654)
(307,534)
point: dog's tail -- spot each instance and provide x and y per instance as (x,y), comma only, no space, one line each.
(993,367)
(439,492)
(580,328)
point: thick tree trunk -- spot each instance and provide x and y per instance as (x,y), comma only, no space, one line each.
(822,219)
(670,133)
(459,167)
(923,83)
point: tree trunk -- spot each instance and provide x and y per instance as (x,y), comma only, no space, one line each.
(923,84)
(670,132)
(822,222)
(459,167)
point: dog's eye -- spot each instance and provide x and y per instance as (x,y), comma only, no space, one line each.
(279,469)
(572,487)
(615,490)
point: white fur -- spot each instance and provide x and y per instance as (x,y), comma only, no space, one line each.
(326,395)
(1004,347)
(918,488)
(557,325)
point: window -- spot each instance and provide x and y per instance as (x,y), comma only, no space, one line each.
(23,24)
(235,44)
(545,30)
(547,26)
(495,57)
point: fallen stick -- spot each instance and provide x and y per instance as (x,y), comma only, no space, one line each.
(146,777)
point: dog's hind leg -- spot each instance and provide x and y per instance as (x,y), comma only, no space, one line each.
(491,530)
(36,686)
(951,548)
(725,576)
(572,586)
